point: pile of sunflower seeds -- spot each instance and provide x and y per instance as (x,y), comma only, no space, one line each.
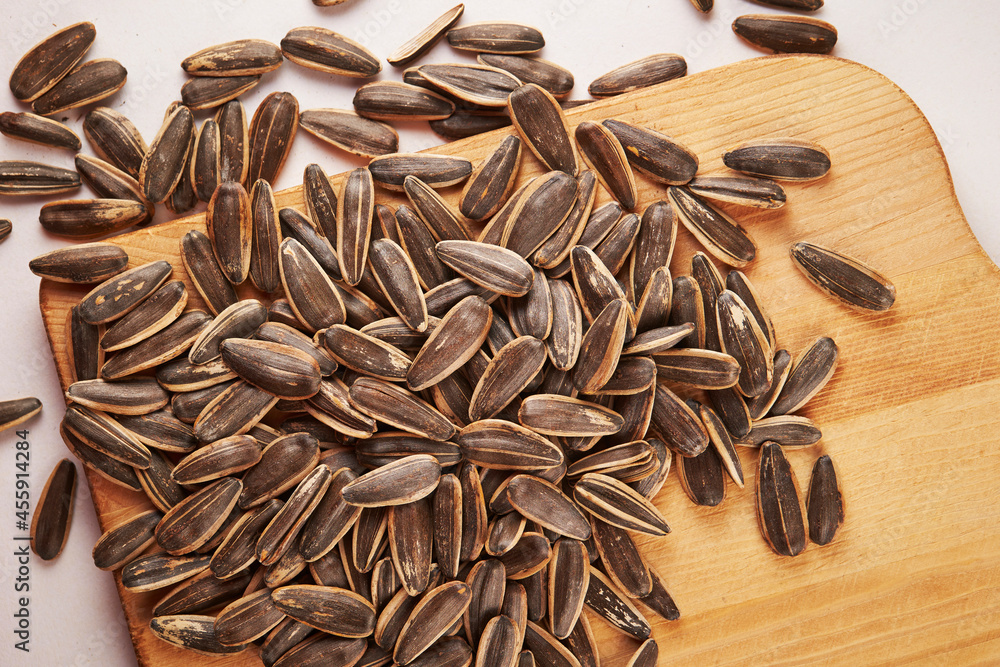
(413,444)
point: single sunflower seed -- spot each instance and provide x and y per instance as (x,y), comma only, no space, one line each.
(824,502)
(844,278)
(641,73)
(779,512)
(786,33)
(328,51)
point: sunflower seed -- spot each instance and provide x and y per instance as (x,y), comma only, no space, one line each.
(642,73)
(5,229)
(742,338)
(702,369)
(563,344)
(493,443)
(616,247)
(219,459)
(39,130)
(243,57)
(546,649)
(433,210)
(312,295)
(237,321)
(567,417)
(498,645)
(233,412)
(354,214)
(47,62)
(156,571)
(824,502)
(554,252)
(844,277)
(779,512)
(391,100)
(151,316)
(809,375)
(90,218)
(568,580)
(282,370)
(198,257)
(192,522)
(161,347)
(740,285)
(612,459)
(110,182)
(453,342)
(437,171)
(297,226)
(785,430)
(125,542)
(53,514)
(234,142)
(507,374)
(655,154)
(658,342)
(722,236)
(137,396)
(482,85)
(247,619)
(504,532)
(206,92)
(411,536)
(188,405)
(462,124)
(540,121)
(388,447)
(114,471)
(89,82)
(205,168)
(350,132)
(323,649)
(115,139)
(740,190)
(545,204)
(553,78)
(595,283)
(426,38)
(331,406)
(603,151)
(283,530)
(604,599)
(621,560)
(723,444)
(702,477)
(286,637)
(782,159)
(804,5)
(85,263)
(328,51)
(430,619)
(272,130)
(163,164)
(283,464)
(496,37)
(404,481)
(398,279)
(601,347)
(614,502)
(192,632)
(759,406)
(19,177)
(230,227)
(786,34)
(543,502)
(531,554)
(497,269)
(703,6)
(238,550)
(654,247)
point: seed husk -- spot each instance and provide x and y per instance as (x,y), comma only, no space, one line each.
(542,502)
(496,37)
(657,342)
(239,320)
(205,166)
(545,204)
(604,598)
(391,100)
(546,649)
(296,226)
(238,550)
(188,405)
(230,227)
(125,542)
(786,33)
(234,142)
(567,417)
(742,338)
(115,139)
(204,92)
(398,280)
(539,119)
(192,522)
(88,82)
(740,190)
(504,532)
(600,348)
(614,502)
(703,369)
(327,51)
(163,164)
(354,214)
(740,285)
(331,406)
(723,444)
(482,85)
(532,315)
(151,316)
(418,45)
(198,257)
(366,354)
(233,412)
(323,649)
(388,447)
(397,407)
(47,62)
(654,246)
(554,252)
(192,632)
(433,210)
(282,370)
(91,218)
(271,133)
(704,6)
(568,580)
(437,171)
(462,124)
(566,336)
(702,477)
(722,236)
(759,406)
(218,459)
(5,229)
(494,443)
(453,342)
(404,481)
(110,182)
(678,426)
(824,503)
(244,57)
(350,132)
(53,514)
(498,645)
(137,396)
(641,73)
(616,247)
(654,153)
(282,532)
(81,264)
(785,430)
(779,512)
(116,472)
(431,618)
(487,591)
(779,158)
(312,295)
(621,559)
(411,539)
(809,375)
(285,637)
(844,277)
(508,373)
(595,283)
(20,177)
(613,459)
(497,269)
(122,293)
(553,78)
(39,130)
(804,5)
(607,156)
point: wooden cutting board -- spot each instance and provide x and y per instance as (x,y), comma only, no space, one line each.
(911,417)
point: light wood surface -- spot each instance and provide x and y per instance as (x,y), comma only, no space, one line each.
(910,418)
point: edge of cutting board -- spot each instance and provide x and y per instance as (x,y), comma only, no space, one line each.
(914,572)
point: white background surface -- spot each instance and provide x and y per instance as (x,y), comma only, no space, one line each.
(944,54)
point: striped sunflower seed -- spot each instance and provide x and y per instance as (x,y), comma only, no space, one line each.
(242,57)
(136,396)
(740,285)
(496,269)
(299,227)
(265,238)
(192,522)
(554,252)
(233,412)
(742,338)
(654,246)
(648,654)
(249,618)
(613,459)
(567,417)
(507,375)
(121,294)
(437,171)
(430,619)
(566,334)
(601,346)
(125,542)
(496,37)
(205,166)
(540,121)
(723,444)
(786,34)
(204,92)
(786,430)
(545,204)
(779,512)
(631,376)
(604,599)
(163,164)
(398,280)
(655,154)
(350,132)
(335,611)
(844,278)
(151,316)
(198,257)
(503,445)
(455,340)
(331,519)
(678,426)
(465,123)
(546,649)
(607,156)
(568,580)
(47,62)
(39,130)
(114,471)
(759,406)
(238,321)
(270,136)
(366,354)
(281,534)
(704,6)
(596,285)
(391,100)
(238,550)
(411,536)
(532,315)
(234,142)
(808,376)
(548,75)
(279,369)
(581,642)
(86,83)
(702,477)
(482,85)
(642,73)
(740,190)
(82,264)
(19,177)
(218,459)
(312,295)
(498,645)
(804,5)
(201,592)
(332,407)
(53,514)
(354,215)
(404,481)
(115,139)
(5,229)
(320,649)
(542,502)
(422,42)
(110,182)
(703,369)
(328,51)
(91,218)
(193,632)
(824,502)
(782,159)
(658,342)
(161,430)
(722,236)
(433,210)
(621,559)
(614,502)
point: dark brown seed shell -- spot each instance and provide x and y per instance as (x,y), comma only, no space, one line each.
(53,514)
(809,375)
(462,124)
(431,618)
(742,338)
(542,502)
(740,190)
(437,171)
(119,295)
(404,481)
(155,571)
(824,503)
(205,92)
(47,62)
(614,502)
(621,559)
(321,649)
(641,73)
(655,154)
(163,164)
(391,100)
(37,129)
(540,121)
(237,552)
(786,34)
(88,82)
(418,45)
(242,57)
(604,598)
(553,78)
(654,247)
(496,37)
(233,412)
(125,542)
(83,264)
(601,347)
(19,177)
(350,132)
(481,85)
(779,511)
(783,159)
(411,540)
(91,218)
(494,443)
(327,51)
(271,133)
(114,471)
(192,632)
(455,340)
(192,522)
(115,139)
(546,649)
(722,236)
(844,278)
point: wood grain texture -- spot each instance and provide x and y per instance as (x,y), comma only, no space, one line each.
(910,417)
